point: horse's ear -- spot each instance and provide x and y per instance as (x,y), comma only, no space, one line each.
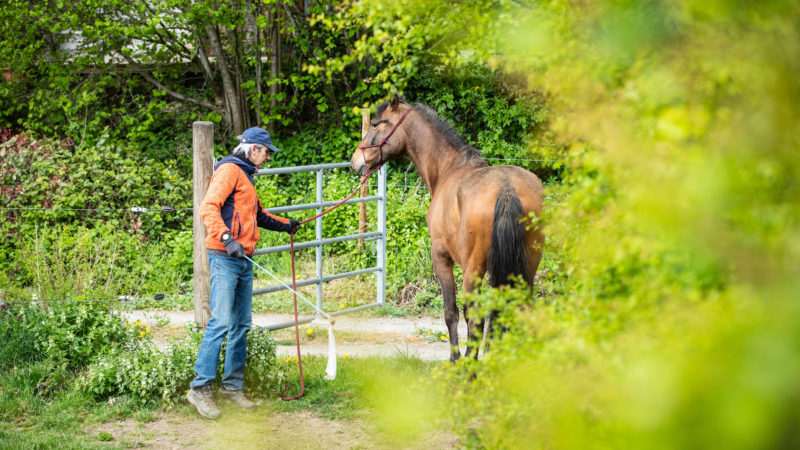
(394,101)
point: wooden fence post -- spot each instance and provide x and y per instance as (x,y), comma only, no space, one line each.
(362,208)
(202,168)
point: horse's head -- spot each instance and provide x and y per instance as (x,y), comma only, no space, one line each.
(385,140)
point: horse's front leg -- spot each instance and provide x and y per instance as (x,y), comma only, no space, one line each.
(443,268)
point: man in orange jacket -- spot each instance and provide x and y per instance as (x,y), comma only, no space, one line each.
(232,214)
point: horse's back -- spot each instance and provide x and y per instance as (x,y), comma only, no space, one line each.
(484,184)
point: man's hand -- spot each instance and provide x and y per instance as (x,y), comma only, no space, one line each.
(293,225)
(233,247)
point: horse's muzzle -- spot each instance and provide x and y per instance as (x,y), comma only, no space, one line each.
(358,164)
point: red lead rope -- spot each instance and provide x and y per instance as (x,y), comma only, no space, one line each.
(291,245)
(294,284)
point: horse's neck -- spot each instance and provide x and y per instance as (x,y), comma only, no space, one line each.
(434,159)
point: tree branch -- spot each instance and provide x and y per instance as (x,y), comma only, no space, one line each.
(169,91)
(227,81)
(174,39)
(201,54)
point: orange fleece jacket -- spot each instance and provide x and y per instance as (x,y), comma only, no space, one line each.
(232,205)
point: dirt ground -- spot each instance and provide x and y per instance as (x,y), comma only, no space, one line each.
(355,336)
(262,428)
(258,428)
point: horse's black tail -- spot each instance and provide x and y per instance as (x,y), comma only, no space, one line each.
(508,253)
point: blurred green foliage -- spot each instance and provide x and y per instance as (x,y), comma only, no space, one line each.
(669,315)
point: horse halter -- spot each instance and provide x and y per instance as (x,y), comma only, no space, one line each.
(380,146)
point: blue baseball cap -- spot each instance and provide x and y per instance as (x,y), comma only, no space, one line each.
(258,135)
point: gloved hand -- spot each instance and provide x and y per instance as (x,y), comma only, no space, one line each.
(233,247)
(293,226)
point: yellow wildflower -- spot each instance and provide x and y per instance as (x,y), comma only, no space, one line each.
(310,331)
(345,356)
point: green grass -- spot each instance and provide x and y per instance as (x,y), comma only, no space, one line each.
(34,414)
(346,397)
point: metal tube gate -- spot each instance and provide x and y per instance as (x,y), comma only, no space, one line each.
(319,205)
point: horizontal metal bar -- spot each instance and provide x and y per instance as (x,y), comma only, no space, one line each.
(305,206)
(278,326)
(311,168)
(325,279)
(307,244)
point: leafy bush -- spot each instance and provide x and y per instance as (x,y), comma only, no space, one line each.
(178,251)
(19,336)
(51,183)
(68,335)
(408,255)
(263,373)
(146,373)
(119,358)
(143,372)
(41,173)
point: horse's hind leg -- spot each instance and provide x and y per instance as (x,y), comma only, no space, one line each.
(474,330)
(474,321)
(495,329)
(535,242)
(443,268)
(534,239)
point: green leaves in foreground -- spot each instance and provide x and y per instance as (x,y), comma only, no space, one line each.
(720,373)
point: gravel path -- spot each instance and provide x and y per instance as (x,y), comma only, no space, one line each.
(357,336)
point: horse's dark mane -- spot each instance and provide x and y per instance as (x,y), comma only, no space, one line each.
(471,154)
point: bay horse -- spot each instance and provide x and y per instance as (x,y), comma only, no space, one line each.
(477,214)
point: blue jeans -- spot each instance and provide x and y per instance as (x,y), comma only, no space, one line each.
(231,301)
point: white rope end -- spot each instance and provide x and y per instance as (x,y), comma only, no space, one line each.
(330,369)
